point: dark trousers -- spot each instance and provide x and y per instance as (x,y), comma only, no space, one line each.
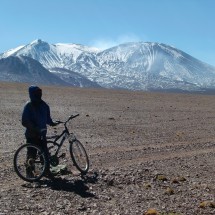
(42,143)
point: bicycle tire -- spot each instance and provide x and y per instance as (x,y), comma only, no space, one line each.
(79,156)
(30,169)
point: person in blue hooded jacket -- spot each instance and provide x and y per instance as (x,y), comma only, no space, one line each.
(35,118)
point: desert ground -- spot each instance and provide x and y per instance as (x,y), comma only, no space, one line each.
(147,151)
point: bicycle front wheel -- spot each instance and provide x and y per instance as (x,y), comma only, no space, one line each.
(30,162)
(79,156)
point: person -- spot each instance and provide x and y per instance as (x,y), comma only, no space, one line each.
(35,118)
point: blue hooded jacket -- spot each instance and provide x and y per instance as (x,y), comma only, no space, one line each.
(36,114)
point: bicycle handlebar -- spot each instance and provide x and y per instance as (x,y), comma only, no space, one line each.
(71,117)
(61,122)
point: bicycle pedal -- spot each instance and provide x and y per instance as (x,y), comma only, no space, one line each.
(62,156)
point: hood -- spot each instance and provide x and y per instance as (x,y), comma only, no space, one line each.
(35,94)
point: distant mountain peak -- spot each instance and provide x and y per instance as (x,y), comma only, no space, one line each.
(37,41)
(133,65)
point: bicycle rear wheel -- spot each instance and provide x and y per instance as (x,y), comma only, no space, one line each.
(79,156)
(30,162)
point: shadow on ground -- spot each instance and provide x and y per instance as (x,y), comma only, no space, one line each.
(78,186)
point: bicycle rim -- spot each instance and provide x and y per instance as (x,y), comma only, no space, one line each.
(79,156)
(30,167)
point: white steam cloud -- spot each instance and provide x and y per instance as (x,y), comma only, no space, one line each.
(106,43)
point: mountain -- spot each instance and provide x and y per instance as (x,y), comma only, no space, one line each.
(26,69)
(51,55)
(73,78)
(155,66)
(135,65)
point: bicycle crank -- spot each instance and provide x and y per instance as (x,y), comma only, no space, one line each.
(63,155)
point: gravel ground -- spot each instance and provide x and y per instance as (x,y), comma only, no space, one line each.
(150,153)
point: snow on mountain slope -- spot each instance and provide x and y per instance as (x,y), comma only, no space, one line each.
(149,65)
(135,65)
(25,69)
(74,78)
(10,52)
(57,55)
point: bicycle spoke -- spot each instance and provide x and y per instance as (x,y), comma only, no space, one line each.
(29,162)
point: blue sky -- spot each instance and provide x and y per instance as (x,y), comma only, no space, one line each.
(185,24)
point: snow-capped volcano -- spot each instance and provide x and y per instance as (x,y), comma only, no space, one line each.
(51,55)
(154,65)
(135,65)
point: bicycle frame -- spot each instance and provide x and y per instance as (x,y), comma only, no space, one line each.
(64,135)
(59,145)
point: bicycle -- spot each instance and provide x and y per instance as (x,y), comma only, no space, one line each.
(38,165)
